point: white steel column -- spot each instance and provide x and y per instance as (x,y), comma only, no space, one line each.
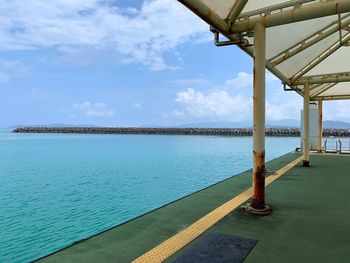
(258,204)
(320,129)
(306,139)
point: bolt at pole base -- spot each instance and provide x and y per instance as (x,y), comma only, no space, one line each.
(306,163)
(255,211)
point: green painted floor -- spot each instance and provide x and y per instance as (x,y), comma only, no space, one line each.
(309,223)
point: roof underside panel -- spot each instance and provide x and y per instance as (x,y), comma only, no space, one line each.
(294,64)
(221,7)
(341,89)
(337,62)
(258,4)
(283,37)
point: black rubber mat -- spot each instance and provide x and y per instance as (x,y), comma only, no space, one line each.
(218,248)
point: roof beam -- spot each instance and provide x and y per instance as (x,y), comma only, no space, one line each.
(322,79)
(326,53)
(310,41)
(273,8)
(236,10)
(315,86)
(338,97)
(299,13)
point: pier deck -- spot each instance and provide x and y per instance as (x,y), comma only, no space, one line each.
(309,222)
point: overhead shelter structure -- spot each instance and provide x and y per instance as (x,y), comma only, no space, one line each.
(304,43)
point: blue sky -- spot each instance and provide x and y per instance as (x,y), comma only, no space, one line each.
(126,63)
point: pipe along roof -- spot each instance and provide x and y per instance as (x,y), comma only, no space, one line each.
(307,41)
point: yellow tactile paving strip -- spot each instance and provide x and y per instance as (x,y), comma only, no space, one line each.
(178,241)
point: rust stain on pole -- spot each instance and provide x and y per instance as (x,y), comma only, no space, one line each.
(259,181)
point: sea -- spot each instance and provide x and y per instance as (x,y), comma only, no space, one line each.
(57,189)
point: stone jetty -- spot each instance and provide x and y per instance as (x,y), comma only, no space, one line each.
(281,132)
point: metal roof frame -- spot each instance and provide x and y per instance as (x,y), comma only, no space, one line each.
(238,25)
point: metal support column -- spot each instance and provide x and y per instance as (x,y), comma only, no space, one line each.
(306,139)
(258,203)
(320,109)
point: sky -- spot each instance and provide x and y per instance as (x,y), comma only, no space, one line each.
(126,63)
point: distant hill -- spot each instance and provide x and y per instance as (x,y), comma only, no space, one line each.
(58,125)
(336,125)
(287,123)
(290,123)
(152,126)
(216,125)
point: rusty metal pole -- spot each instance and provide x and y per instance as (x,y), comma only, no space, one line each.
(306,139)
(257,206)
(320,109)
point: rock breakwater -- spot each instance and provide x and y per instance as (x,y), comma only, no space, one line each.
(282,132)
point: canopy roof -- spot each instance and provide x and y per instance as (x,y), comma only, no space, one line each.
(307,40)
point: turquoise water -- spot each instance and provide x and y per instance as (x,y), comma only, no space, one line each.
(57,189)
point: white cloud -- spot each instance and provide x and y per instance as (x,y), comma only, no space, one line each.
(138,35)
(285,110)
(245,80)
(137,105)
(83,105)
(216,105)
(220,104)
(177,113)
(242,80)
(10,69)
(100,105)
(89,109)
